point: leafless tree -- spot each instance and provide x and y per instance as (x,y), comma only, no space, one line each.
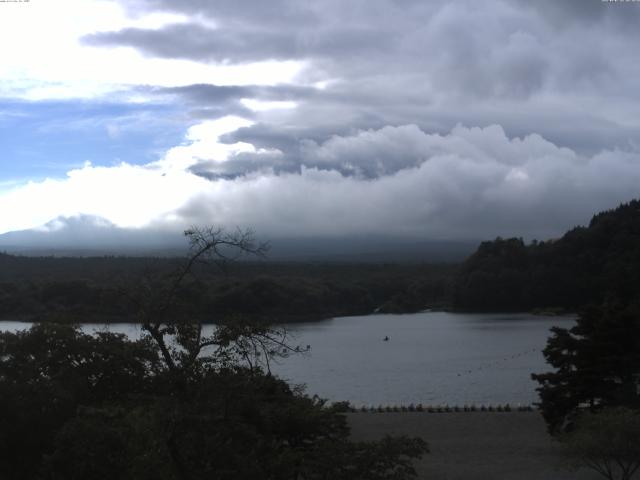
(181,340)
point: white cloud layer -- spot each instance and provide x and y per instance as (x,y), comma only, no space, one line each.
(563,69)
(43,58)
(470,183)
(340,118)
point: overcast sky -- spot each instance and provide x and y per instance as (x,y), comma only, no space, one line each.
(434,119)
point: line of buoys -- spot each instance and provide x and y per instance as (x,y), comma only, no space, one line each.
(496,362)
(438,408)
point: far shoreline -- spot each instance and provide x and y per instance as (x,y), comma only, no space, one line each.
(290,319)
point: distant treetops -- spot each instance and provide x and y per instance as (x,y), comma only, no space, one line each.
(585,266)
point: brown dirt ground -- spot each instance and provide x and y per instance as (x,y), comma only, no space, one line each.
(475,445)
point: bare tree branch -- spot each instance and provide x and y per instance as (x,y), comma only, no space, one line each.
(182,341)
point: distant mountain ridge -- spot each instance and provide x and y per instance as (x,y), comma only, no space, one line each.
(587,265)
(87,235)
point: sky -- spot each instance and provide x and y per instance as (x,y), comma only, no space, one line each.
(412,118)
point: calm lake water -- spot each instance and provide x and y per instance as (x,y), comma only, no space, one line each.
(430,358)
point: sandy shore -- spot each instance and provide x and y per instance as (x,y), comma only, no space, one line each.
(475,446)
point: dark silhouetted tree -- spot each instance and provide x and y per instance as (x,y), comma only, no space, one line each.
(607,442)
(597,364)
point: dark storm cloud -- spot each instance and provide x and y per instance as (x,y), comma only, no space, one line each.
(268,136)
(212,94)
(278,12)
(561,13)
(197,42)
(205,101)
(469,183)
(375,141)
(216,101)
(255,31)
(366,155)
(204,93)
(433,64)
(497,49)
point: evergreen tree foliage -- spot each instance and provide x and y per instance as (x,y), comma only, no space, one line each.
(597,364)
(583,267)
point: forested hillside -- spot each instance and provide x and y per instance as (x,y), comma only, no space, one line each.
(107,288)
(584,266)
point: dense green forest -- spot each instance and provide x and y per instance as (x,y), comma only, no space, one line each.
(106,288)
(585,266)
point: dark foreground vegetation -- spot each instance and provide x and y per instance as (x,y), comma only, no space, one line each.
(176,404)
(74,406)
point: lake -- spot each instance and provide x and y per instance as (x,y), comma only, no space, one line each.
(430,358)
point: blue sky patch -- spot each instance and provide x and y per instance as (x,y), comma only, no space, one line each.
(47,139)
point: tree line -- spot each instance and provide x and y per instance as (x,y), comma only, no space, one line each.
(101,289)
(585,266)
